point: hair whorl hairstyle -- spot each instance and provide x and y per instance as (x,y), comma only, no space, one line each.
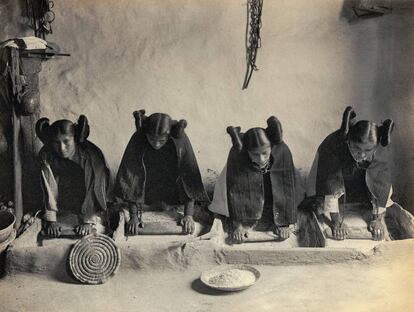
(367,131)
(177,128)
(236,137)
(46,132)
(139,118)
(274,130)
(347,120)
(159,123)
(42,129)
(82,129)
(385,131)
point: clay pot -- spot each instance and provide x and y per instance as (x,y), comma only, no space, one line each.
(29,103)
(7,221)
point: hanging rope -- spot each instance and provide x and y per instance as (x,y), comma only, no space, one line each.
(253,41)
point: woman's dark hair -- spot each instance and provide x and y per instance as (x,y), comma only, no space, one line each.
(65,127)
(364,131)
(255,138)
(158,124)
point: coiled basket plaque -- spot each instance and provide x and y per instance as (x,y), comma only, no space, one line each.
(94,258)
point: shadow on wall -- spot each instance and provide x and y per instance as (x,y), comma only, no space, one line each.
(383,83)
(395,95)
(347,12)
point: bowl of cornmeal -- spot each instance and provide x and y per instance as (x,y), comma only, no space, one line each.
(230,278)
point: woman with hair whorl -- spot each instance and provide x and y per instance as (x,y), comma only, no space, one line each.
(257,185)
(74,175)
(351,168)
(159,168)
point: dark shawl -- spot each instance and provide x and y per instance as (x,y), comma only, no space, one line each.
(245,190)
(130,180)
(334,158)
(96,173)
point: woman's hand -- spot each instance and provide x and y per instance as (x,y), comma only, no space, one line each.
(84,229)
(282,231)
(53,229)
(239,232)
(339,230)
(133,225)
(188,224)
(377,229)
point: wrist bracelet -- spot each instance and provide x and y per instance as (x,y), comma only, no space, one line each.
(133,210)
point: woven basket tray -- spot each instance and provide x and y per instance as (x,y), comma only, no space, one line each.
(94,259)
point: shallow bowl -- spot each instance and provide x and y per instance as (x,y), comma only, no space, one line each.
(207,275)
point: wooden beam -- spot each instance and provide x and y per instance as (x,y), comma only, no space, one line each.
(17,167)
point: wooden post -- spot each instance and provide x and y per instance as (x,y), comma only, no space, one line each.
(17,167)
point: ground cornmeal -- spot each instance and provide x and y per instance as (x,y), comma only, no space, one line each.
(233,278)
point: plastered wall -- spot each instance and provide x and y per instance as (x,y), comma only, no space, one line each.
(187,58)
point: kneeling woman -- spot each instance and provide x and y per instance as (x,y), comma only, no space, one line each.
(74,175)
(351,169)
(159,168)
(257,184)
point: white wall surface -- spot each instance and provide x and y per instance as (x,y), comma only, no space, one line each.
(187,58)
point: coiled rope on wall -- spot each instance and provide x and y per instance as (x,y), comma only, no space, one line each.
(253,40)
(94,258)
